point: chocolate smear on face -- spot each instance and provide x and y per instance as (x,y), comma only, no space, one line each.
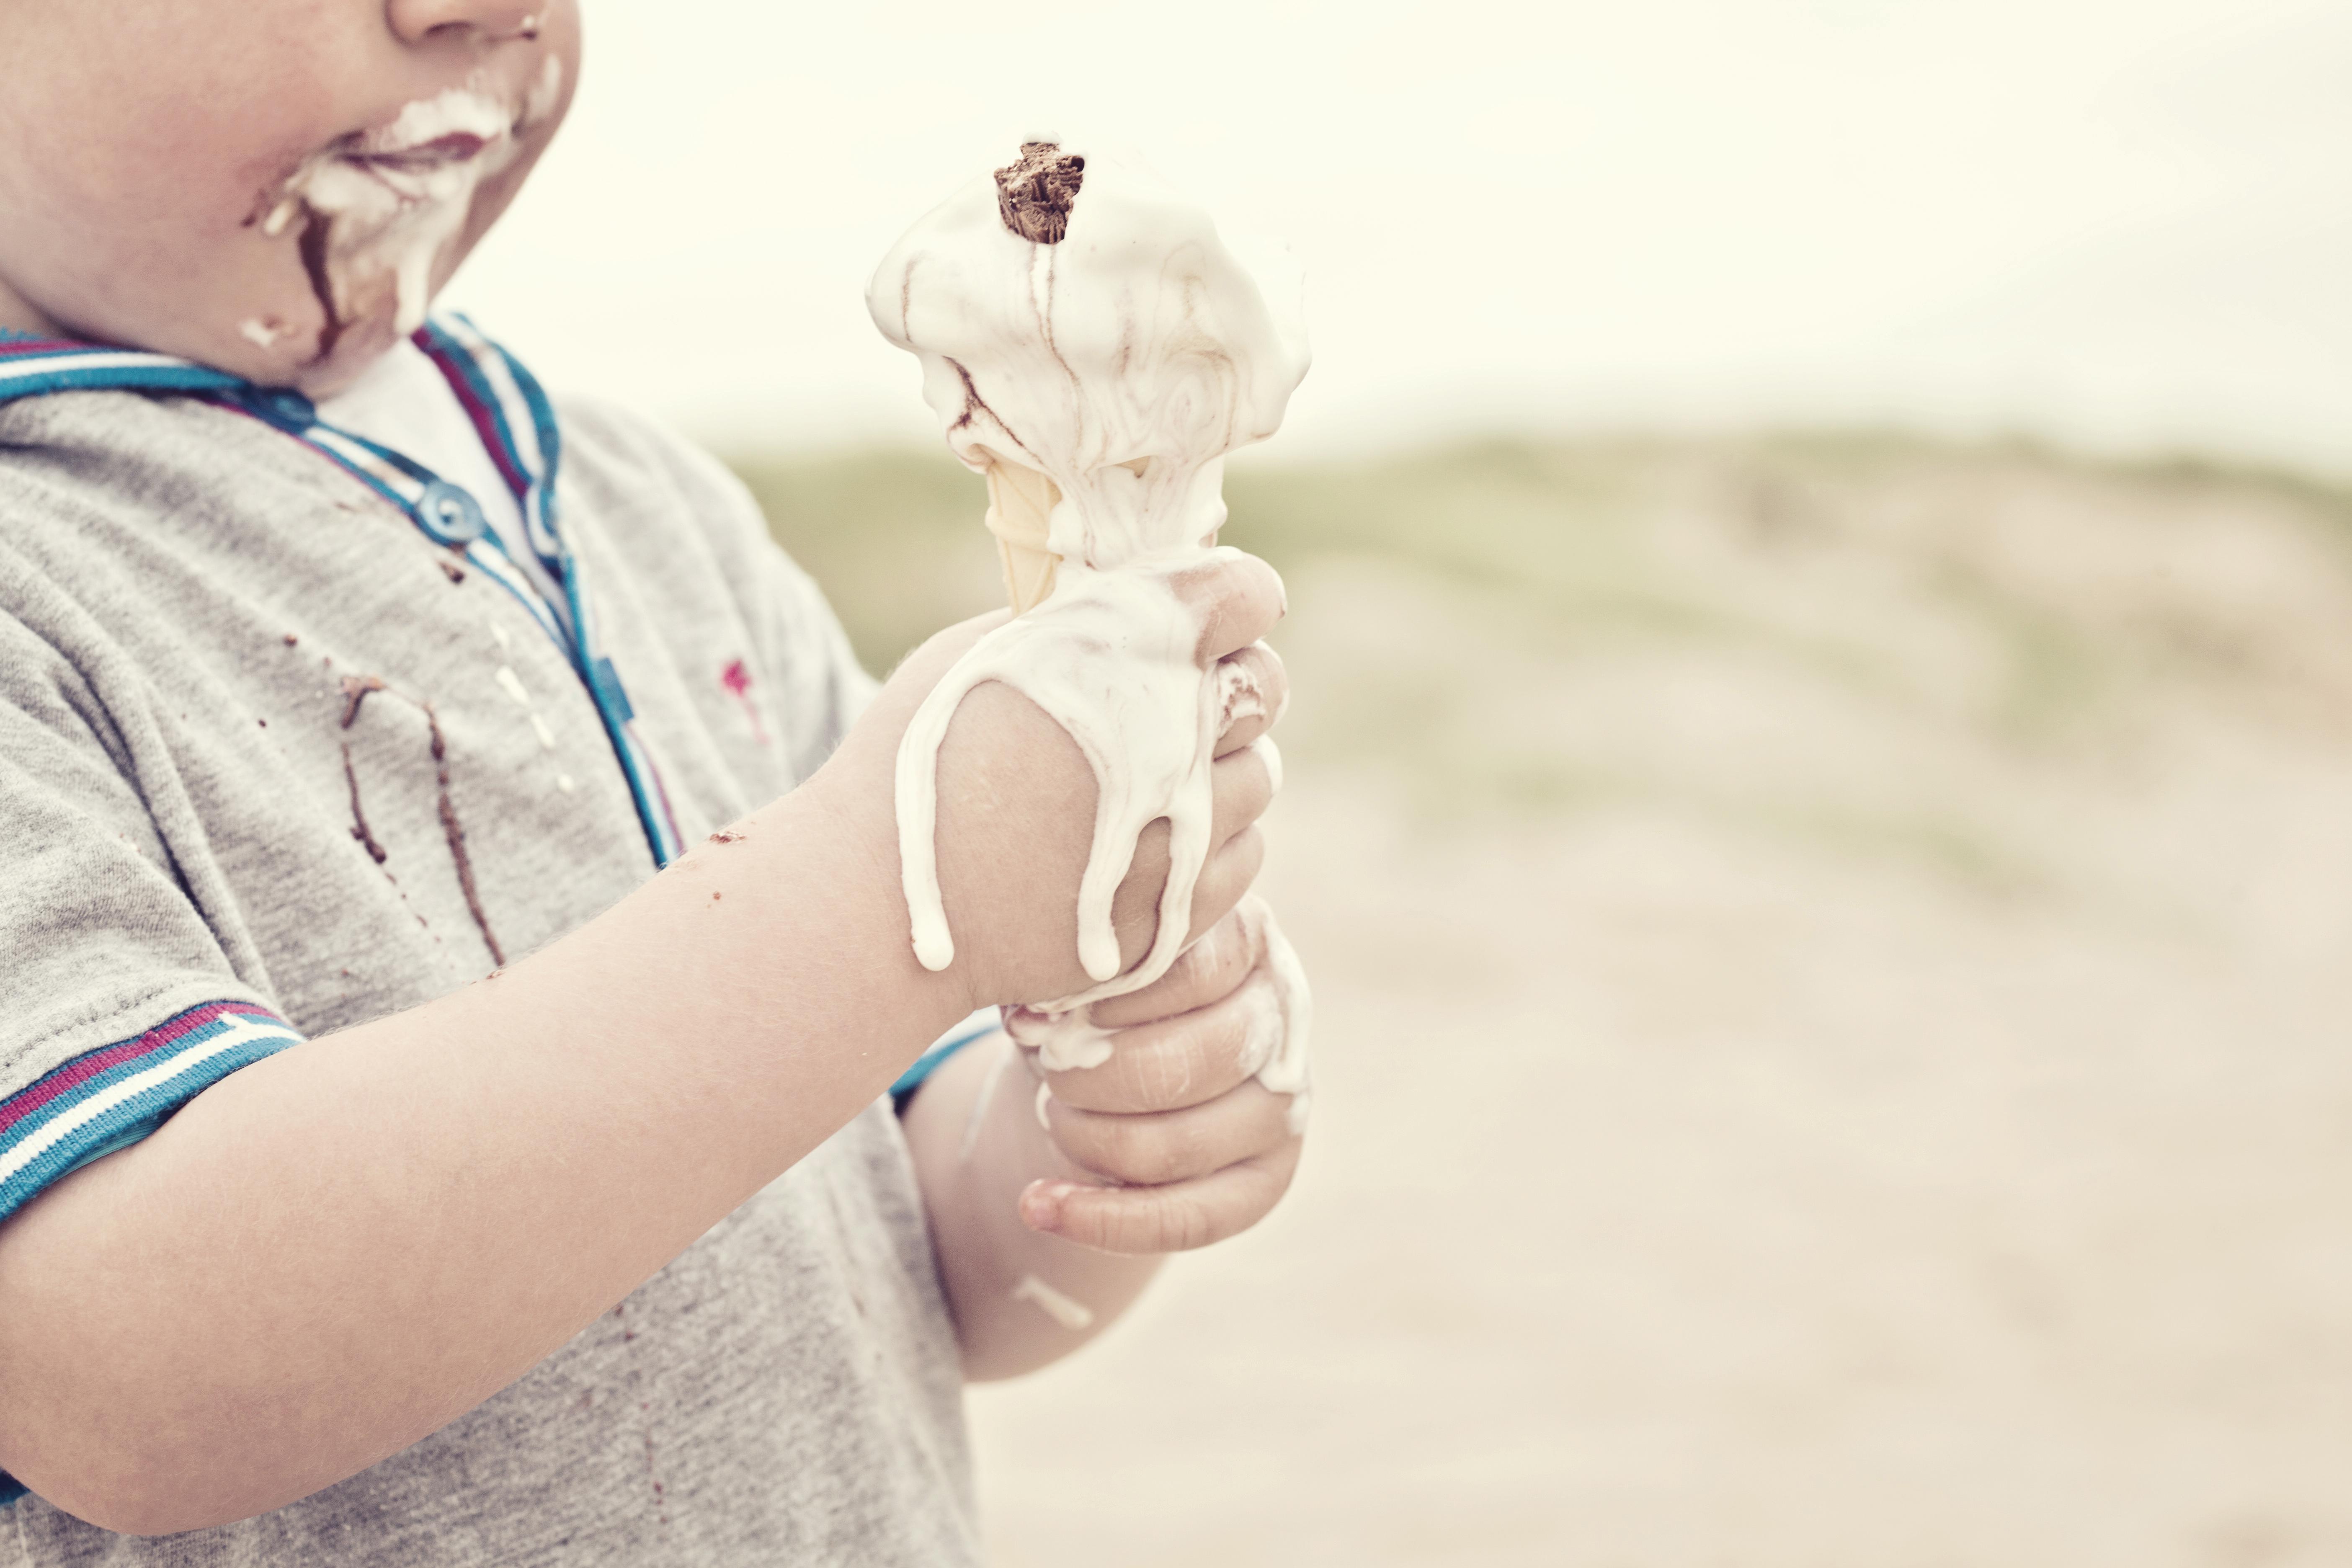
(318,229)
(1034,192)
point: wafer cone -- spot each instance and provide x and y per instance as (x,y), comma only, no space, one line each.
(1019,501)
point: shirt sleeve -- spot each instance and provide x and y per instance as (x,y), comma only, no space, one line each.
(974,1029)
(117,1005)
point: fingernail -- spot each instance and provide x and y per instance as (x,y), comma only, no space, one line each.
(1041,1205)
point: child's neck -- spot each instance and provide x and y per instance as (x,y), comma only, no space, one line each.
(18,314)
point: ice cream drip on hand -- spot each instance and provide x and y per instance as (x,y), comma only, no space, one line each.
(373,213)
(1094,349)
(1279,1018)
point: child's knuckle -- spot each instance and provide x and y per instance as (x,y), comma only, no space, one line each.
(1140,1151)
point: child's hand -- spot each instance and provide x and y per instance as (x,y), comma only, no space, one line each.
(1016,799)
(1200,1149)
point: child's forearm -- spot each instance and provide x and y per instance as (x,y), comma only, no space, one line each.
(1021,1299)
(337,1251)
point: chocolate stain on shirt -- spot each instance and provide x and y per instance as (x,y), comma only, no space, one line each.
(356,691)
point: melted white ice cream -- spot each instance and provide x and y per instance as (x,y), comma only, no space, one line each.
(1122,363)
(1110,655)
(1064,1042)
(1067,1311)
(1285,1071)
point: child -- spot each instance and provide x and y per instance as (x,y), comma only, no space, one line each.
(393,1168)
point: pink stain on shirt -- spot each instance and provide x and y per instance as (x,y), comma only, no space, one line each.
(737,680)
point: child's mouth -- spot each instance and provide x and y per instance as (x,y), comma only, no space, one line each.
(441,153)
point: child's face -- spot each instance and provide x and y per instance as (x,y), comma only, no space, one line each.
(272,186)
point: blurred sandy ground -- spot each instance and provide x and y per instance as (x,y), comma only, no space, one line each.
(1834,1039)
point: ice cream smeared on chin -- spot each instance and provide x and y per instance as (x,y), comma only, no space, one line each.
(373,213)
(1094,348)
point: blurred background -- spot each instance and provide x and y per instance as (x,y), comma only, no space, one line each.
(1820,792)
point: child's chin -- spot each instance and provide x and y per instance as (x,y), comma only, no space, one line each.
(359,346)
(290,359)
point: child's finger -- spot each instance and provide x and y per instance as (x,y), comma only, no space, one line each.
(1241,787)
(1253,688)
(1209,969)
(1225,879)
(1182,1061)
(1167,1146)
(1174,1218)
(1232,866)
(1241,597)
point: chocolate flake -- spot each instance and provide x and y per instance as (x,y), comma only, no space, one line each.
(1036,192)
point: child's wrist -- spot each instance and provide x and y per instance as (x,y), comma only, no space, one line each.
(859,834)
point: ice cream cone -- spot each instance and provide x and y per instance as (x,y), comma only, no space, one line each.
(1019,501)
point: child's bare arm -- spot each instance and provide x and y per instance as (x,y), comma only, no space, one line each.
(339,1250)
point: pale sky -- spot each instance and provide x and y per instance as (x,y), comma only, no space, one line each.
(2124,223)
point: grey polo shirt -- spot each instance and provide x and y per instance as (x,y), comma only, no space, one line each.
(205,853)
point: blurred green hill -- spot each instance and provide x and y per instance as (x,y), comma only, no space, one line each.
(1820,635)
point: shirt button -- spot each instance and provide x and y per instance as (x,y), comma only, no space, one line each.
(449,515)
